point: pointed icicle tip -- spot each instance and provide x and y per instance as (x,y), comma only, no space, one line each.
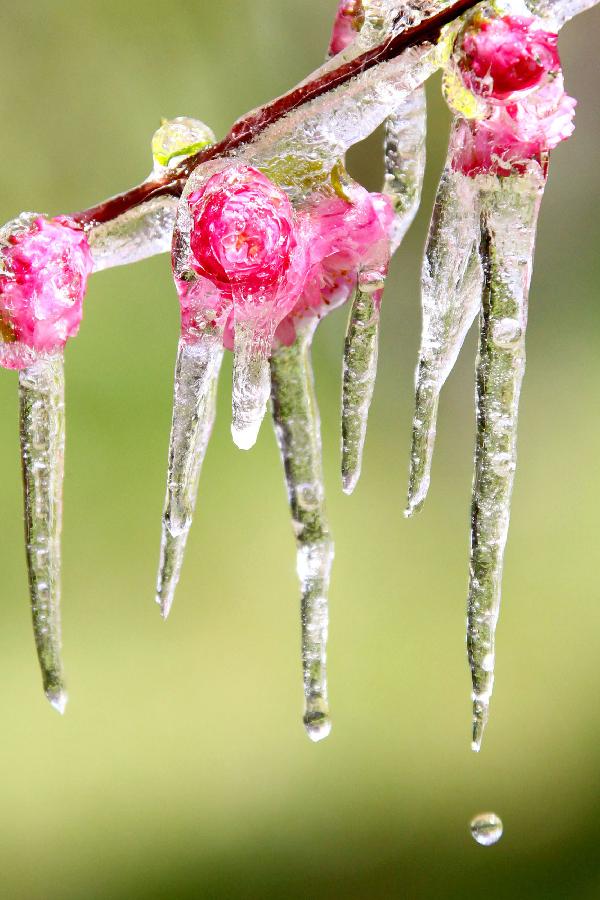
(245,438)
(480,715)
(317,726)
(165,604)
(58,699)
(413,506)
(349,481)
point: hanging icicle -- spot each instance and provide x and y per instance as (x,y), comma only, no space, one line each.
(450,297)
(505,86)
(44,265)
(509,220)
(42,431)
(194,406)
(297,427)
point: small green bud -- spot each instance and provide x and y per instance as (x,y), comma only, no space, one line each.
(178,138)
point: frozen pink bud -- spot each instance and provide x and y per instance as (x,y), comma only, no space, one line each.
(505,56)
(348,22)
(249,250)
(346,236)
(243,230)
(43,277)
(514,133)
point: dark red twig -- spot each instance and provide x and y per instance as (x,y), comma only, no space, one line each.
(248,127)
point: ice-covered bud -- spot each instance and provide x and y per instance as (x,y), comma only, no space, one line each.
(348,22)
(347,236)
(248,243)
(178,138)
(506,83)
(44,266)
(500,58)
(514,133)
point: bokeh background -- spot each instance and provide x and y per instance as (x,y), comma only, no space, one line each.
(181,769)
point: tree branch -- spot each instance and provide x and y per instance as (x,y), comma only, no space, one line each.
(249,126)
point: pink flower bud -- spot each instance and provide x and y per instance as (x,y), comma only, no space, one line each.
(348,22)
(506,56)
(43,278)
(514,133)
(346,237)
(248,251)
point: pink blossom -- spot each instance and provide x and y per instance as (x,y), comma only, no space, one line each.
(505,56)
(514,133)
(346,236)
(249,250)
(348,22)
(43,278)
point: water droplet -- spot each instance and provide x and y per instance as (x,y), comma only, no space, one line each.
(506,333)
(486,829)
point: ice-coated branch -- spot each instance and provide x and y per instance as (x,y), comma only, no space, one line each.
(246,129)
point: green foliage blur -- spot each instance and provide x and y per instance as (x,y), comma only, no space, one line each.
(181,769)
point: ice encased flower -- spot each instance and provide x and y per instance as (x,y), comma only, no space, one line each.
(248,250)
(504,56)
(44,266)
(518,110)
(345,235)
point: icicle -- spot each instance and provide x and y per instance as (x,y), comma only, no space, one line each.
(251,384)
(450,296)
(194,402)
(42,431)
(360,371)
(509,216)
(405,165)
(297,428)
(404,147)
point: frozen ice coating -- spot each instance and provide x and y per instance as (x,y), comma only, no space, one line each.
(44,266)
(42,431)
(268,233)
(450,298)
(509,217)
(196,377)
(144,231)
(247,241)
(504,83)
(147,229)
(297,427)
(404,149)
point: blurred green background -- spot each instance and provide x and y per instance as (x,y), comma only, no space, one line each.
(181,769)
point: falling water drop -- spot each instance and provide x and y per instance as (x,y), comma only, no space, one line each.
(486,829)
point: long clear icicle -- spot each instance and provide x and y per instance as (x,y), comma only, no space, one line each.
(358,382)
(42,433)
(404,150)
(509,217)
(297,427)
(251,384)
(404,169)
(194,402)
(450,297)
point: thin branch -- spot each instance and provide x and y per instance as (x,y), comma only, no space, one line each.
(251,125)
